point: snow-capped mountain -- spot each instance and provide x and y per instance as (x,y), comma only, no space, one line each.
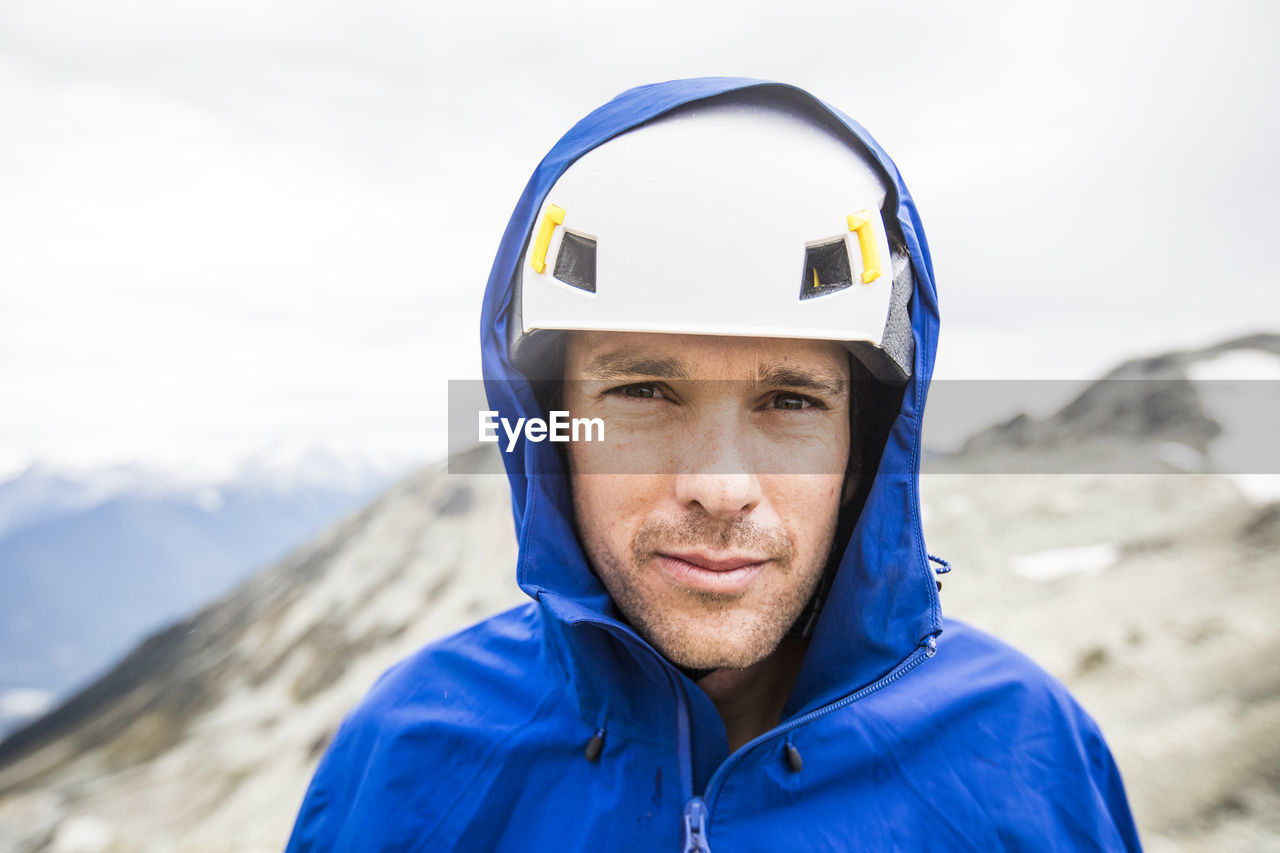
(1208,409)
(92,560)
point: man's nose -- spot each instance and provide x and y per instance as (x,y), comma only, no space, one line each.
(718,476)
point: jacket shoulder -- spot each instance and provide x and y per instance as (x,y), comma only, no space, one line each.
(1025,721)
(465,671)
(976,666)
(975,676)
(439,714)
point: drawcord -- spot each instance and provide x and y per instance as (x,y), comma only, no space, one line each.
(943,566)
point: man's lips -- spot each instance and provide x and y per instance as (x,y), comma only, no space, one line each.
(723,573)
(715,562)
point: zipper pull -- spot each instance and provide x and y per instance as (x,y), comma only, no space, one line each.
(695,826)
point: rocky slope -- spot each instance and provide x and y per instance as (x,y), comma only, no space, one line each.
(1153,598)
(204,737)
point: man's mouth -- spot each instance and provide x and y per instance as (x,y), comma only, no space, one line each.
(710,571)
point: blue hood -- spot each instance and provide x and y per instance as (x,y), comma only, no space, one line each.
(554,726)
(883,604)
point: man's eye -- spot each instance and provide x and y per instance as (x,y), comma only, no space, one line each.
(639,390)
(793,402)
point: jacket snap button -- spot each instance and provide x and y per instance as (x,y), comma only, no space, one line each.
(595,746)
(794,761)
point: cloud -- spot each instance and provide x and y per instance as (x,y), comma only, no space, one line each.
(225,221)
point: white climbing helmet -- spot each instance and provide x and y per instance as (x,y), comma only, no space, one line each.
(755,214)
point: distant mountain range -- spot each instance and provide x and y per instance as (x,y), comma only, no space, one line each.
(91,561)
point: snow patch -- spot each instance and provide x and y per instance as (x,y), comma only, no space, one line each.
(1060,562)
(1258,488)
(1252,364)
(1237,390)
(1182,456)
(24,702)
(82,835)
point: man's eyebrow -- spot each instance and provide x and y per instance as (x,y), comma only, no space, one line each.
(622,365)
(829,383)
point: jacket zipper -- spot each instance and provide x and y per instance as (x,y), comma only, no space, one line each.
(697,811)
(695,826)
(695,808)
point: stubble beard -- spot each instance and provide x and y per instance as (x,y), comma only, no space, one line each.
(721,632)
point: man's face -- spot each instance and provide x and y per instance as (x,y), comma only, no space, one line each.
(709,509)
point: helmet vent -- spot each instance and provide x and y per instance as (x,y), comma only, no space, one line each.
(576,263)
(826,269)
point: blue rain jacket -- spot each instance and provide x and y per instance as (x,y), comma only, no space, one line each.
(915,732)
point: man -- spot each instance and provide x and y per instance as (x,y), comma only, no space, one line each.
(735,641)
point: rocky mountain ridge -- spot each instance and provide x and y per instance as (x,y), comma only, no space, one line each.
(1156,414)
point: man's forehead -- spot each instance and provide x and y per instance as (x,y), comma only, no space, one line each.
(622,355)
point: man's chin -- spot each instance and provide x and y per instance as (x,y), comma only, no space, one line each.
(696,653)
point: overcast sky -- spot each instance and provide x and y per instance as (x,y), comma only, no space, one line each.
(231,224)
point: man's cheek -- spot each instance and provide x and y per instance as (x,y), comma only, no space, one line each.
(605,503)
(627,450)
